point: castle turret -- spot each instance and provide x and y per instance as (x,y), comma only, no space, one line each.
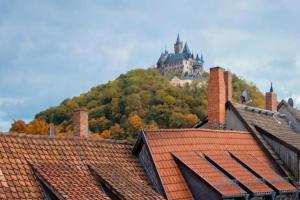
(201,59)
(186,49)
(178,45)
(198,65)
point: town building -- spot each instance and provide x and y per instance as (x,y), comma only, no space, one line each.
(55,168)
(275,128)
(199,81)
(291,113)
(182,61)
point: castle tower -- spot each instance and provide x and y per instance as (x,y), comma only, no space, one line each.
(178,45)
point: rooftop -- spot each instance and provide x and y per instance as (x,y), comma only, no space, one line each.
(272,123)
(69,168)
(211,155)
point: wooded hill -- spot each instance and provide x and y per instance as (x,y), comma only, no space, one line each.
(141,98)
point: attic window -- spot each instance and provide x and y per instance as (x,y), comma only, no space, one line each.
(48,194)
(106,189)
(104,185)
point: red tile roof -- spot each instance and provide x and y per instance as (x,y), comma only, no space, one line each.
(60,177)
(163,143)
(265,172)
(210,174)
(62,163)
(122,182)
(240,173)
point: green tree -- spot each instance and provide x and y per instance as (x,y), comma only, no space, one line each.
(141,99)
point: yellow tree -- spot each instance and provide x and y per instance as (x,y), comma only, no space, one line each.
(192,118)
(18,126)
(135,121)
(37,127)
(106,134)
(135,124)
(117,132)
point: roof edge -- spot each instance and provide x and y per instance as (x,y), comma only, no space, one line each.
(144,138)
(139,143)
(264,132)
(209,184)
(31,136)
(196,130)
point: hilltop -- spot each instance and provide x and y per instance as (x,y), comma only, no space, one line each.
(141,98)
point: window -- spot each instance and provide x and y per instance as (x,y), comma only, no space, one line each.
(49,195)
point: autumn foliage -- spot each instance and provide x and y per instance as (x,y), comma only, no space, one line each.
(35,127)
(135,100)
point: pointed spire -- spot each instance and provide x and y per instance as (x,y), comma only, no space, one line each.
(166,51)
(186,48)
(197,58)
(201,58)
(178,39)
(271,89)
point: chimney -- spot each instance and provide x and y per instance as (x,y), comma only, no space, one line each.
(228,85)
(51,130)
(80,123)
(271,100)
(219,92)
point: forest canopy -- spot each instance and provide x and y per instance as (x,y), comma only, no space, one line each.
(141,98)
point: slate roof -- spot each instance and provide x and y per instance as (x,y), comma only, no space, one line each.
(69,168)
(193,77)
(271,123)
(263,122)
(293,111)
(172,58)
(187,145)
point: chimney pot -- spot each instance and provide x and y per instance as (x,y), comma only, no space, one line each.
(80,123)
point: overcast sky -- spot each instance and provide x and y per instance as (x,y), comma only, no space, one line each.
(54,49)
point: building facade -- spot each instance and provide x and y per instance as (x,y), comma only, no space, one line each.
(181,61)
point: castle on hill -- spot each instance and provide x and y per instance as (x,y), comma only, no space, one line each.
(181,61)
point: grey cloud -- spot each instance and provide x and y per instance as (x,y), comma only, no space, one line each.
(52,50)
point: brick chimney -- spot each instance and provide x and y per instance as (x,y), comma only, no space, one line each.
(271,100)
(80,123)
(228,85)
(219,92)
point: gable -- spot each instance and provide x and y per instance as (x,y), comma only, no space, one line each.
(233,122)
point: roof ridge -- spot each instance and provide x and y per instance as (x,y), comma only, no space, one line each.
(31,136)
(259,110)
(193,129)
